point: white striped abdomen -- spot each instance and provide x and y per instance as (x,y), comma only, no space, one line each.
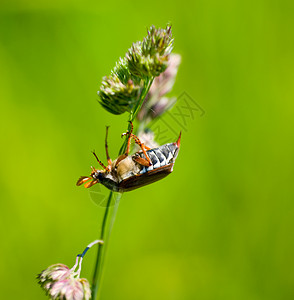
(161,156)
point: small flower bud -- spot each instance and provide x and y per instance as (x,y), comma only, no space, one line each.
(86,288)
(164,83)
(71,289)
(158,41)
(155,104)
(60,282)
(53,273)
(121,91)
(150,57)
(117,97)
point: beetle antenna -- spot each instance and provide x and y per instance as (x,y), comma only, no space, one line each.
(90,183)
(82,180)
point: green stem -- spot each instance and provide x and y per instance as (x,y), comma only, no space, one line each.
(101,252)
(145,90)
(133,115)
(106,240)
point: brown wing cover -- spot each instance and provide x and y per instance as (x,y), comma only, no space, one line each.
(137,181)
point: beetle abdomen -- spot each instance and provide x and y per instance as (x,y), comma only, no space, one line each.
(162,159)
(161,156)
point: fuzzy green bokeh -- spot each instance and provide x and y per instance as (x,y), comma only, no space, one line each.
(219,227)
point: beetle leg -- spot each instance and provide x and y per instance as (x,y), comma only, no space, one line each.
(123,156)
(145,162)
(143,147)
(99,161)
(120,158)
(141,161)
(132,127)
(138,142)
(129,133)
(109,162)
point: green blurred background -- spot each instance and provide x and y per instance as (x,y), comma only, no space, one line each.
(221,226)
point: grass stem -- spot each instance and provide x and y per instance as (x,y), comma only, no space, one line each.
(101,252)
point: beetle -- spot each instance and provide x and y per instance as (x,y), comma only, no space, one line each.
(129,172)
